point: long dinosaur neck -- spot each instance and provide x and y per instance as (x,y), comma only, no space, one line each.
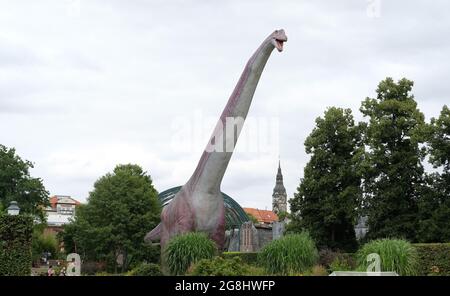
(212,165)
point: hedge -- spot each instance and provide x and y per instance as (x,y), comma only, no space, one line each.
(246,257)
(15,245)
(434,259)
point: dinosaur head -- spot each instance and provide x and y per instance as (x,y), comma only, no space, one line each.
(278,38)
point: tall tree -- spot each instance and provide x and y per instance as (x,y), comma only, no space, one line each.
(121,209)
(17,184)
(434,206)
(393,170)
(326,200)
(440,141)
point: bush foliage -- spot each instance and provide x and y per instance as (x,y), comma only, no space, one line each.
(146,269)
(341,263)
(434,259)
(16,183)
(395,254)
(246,257)
(111,223)
(294,253)
(219,266)
(187,249)
(317,270)
(43,242)
(15,245)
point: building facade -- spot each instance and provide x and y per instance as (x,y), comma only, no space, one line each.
(60,212)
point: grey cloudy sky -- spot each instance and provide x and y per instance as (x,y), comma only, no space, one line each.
(85,85)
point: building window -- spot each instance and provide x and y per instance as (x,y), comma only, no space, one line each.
(65,210)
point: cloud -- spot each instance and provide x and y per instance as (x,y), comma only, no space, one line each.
(15,55)
(85,85)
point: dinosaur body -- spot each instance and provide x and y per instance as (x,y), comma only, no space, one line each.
(199,205)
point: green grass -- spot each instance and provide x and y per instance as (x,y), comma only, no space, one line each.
(187,249)
(290,254)
(395,254)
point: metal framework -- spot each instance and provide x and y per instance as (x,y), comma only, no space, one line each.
(234,214)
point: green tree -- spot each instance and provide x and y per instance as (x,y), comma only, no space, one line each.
(439,141)
(326,200)
(17,184)
(252,218)
(434,206)
(121,209)
(282,215)
(393,172)
(43,242)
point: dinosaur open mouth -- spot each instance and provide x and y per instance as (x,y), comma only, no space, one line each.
(279,44)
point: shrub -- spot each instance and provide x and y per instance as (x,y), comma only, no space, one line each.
(104,273)
(44,242)
(327,256)
(15,245)
(92,267)
(282,215)
(246,257)
(340,263)
(231,266)
(395,254)
(434,259)
(290,254)
(252,218)
(148,254)
(186,249)
(319,270)
(219,266)
(146,269)
(336,261)
(256,271)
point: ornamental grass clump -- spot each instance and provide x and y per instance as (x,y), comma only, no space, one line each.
(395,255)
(291,254)
(187,249)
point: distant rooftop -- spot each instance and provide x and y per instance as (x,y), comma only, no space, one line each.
(61,210)
(263,216)
(62,199)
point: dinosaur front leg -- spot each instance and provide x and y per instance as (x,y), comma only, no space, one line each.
(218,233)
(178,218)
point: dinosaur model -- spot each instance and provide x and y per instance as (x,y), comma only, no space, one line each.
(199,206)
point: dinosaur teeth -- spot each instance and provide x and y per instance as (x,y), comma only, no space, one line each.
(279,44)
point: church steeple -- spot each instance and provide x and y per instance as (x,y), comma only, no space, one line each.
(279,196)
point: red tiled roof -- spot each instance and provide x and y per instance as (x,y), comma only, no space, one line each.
(54,201)
(263,216)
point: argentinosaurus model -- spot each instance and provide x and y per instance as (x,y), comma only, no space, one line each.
(198,206)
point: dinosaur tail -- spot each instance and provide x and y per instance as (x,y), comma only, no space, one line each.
(154,235)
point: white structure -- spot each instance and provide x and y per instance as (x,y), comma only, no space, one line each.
(61,210)
(362,273)
(361,227)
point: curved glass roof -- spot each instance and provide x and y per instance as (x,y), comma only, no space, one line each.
(234,214)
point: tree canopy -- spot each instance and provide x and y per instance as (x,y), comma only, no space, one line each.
(376,169)
(16,184)
(434,206)
(439,141)
(328,195)
(111,227)
(393,171)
